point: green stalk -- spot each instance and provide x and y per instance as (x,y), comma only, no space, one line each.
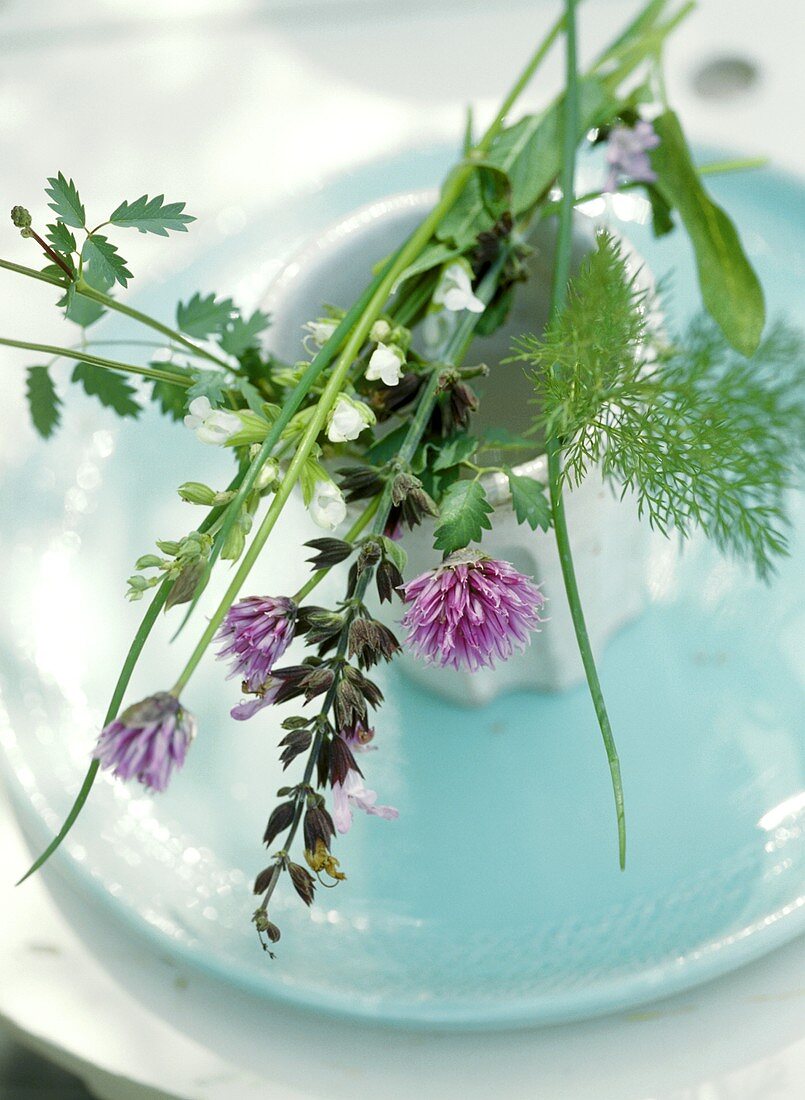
(150,617)
(356,528)
(453,187)
(83,287)
(455,351)
(136,648)
(558,295)
(97,361)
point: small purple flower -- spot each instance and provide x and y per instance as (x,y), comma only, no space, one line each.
(258,630)
(265,694)
(352,793)
(470,610)
(627,154)
(147,741)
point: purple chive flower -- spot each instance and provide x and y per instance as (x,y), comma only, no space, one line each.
(470,610)
(257,631)
(147,741)
(627,154)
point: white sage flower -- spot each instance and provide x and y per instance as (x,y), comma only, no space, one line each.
(347,419)
(385,364)
(215,426)
(327,507)
(454,290)
(320,331)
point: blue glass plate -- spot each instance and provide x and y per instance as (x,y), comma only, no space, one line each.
(495,900)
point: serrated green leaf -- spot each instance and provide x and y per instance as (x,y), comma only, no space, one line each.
(152,216)
(204,316)
(111,389)
(172,400)
(61,238)
(455,450)
(464,515)
(66,201)
(529,501)
(210,384)
(43,401)
(240,333)
(104,262)
(731,291)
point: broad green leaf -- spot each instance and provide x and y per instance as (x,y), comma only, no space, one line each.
(529,501)
(464,514)
(434,255)
(240,333)
(530,152)
(208,383)
(66,201)
(104,262)
(61,238)
(152,216)
(730,288)
(454,451)
(486,196)
(43,401)
(111,389)
(204,316)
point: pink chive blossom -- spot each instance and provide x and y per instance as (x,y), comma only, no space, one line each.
(470,610)
(147,741)
(257,630)
(627,154)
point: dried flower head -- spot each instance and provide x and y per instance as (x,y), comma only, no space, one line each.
(471,610)
(147,741)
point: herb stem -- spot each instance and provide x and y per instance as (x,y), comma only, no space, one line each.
(360,523)
(453,187)
(83,287)
(97,361)
(554,452)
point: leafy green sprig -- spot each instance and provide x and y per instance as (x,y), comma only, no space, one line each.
(703,436)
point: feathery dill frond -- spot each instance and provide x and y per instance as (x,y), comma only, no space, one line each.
(704,437)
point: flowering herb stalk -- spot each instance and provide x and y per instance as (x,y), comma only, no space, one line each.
(703,429)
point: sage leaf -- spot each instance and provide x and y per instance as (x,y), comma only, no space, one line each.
(730,288)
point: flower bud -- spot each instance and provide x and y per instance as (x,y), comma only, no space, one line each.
(195,492)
